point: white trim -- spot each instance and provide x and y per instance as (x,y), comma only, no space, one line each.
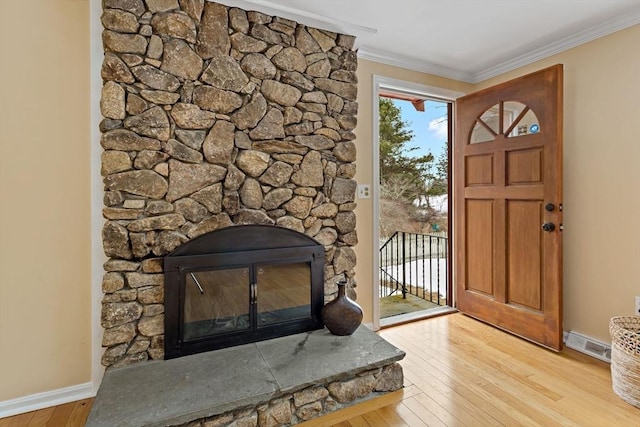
(360,32)
(97,192)
(46,399)
(432,92)
(375,231)
(582,37)
(422,66)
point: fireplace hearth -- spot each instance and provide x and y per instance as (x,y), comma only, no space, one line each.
(239,285)
(290,379)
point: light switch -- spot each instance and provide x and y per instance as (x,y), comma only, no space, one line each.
(364,191)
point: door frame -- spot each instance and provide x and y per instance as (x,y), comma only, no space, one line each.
(401,86)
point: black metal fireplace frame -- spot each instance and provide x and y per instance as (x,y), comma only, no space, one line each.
(237,247)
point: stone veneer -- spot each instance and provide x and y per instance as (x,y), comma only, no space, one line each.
(213,117)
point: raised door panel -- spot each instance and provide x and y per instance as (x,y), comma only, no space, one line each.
(524,263)
(524,167)
(479,237)
(479,170)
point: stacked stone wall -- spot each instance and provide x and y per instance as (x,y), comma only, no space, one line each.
(214,117)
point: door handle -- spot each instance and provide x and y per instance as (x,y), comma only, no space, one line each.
(548,226)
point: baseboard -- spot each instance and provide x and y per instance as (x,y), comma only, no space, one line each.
(46,399)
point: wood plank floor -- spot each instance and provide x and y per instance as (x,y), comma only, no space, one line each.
(460,372)
(72,414)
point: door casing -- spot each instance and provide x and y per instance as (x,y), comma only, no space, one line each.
(396,85)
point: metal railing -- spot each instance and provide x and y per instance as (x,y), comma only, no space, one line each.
(415,264)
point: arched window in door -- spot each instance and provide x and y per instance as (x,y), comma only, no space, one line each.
(509,118)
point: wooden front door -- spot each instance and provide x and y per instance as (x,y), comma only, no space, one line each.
(508,206)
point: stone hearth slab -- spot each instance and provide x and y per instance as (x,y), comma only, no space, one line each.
(302,360)
(177,391)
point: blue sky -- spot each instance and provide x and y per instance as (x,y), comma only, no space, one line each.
(429,127)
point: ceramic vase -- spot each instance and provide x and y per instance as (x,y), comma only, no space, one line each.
(342,316)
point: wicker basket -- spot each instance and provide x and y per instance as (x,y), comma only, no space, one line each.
(625,358)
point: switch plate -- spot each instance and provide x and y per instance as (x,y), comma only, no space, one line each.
(637,312)
(364,191)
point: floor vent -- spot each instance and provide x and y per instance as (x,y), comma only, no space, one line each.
(588,346)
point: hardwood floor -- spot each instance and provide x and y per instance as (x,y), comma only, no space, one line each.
(460,372)
(72,414)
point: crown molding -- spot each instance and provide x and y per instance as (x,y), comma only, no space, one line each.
(385,57)
(608,27)
(361,33)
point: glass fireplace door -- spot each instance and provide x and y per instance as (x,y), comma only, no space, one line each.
(216,302)
(283,293)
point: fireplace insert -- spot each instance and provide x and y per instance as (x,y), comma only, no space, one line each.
(241,284)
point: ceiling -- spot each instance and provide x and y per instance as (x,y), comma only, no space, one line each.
(468,40)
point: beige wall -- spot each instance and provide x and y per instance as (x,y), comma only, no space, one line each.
(45,251)
(365,277)
(601,179)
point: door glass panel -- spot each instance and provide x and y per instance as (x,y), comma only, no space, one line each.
(216,302)
(487,126)
(527,121)
(283,292)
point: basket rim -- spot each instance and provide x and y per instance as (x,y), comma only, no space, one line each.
(625,321)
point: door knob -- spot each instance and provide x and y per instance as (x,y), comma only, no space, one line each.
(548,226)
(549,207)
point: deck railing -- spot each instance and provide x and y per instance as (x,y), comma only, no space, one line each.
(415,264)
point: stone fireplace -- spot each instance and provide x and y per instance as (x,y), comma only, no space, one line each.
(216,117)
